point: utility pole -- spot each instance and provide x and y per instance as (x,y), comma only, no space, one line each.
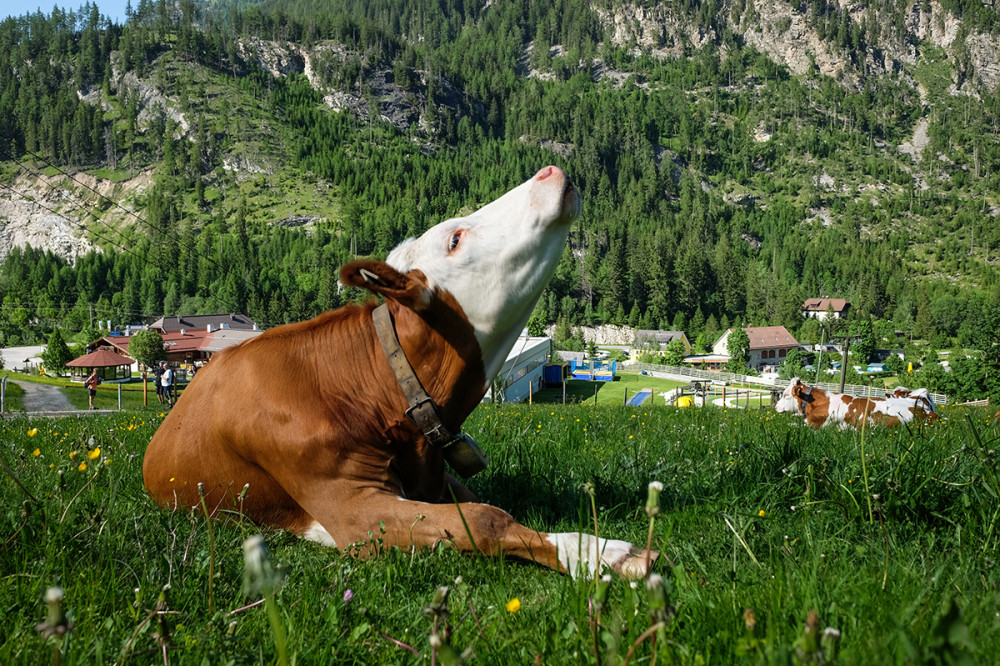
(822,340)
(843,361)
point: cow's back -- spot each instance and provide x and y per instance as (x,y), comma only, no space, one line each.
(260,408)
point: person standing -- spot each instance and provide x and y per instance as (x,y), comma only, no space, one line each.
(157,377)
(167,381)
(91,383)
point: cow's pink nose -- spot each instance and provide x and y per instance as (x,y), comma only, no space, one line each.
(545,172)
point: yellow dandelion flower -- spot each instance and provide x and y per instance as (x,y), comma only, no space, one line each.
(73,454)
(96,453)
(52,466)
(32,432)
(761,513)
(513,605)
(82,467)
(36,452)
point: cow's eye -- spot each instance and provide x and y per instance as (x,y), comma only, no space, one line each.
(453,242)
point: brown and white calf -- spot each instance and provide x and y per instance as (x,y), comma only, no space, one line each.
(311,417)
(820,408)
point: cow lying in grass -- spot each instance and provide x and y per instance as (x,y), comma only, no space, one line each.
(921,397)
(820,408)
(339,427)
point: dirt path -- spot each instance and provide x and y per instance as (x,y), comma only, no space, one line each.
(44,398)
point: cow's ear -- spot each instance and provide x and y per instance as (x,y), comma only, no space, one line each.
(409,289)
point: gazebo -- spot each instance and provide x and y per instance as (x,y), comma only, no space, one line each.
(111,366)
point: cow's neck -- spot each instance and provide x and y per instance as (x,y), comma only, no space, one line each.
(441,347)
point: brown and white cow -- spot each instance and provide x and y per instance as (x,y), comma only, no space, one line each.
(820,408)
(921,397)
(311,417)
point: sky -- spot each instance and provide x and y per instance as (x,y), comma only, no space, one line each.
(113,9)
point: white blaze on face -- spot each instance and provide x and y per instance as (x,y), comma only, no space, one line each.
(787,403)
(497,261)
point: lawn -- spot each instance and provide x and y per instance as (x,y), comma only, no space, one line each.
(608,393)
(780,544)
(106,398)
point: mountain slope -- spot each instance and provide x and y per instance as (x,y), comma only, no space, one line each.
(735,157)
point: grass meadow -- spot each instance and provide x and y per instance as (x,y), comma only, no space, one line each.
(780,545)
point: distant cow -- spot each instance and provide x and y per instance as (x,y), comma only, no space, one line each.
(820,408)
(921,397)
(340,426)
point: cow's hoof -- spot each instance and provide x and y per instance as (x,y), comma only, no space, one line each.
(636,564)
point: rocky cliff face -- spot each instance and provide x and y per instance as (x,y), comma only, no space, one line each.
(28,220)
(49,212)
(781,30)
(379,95)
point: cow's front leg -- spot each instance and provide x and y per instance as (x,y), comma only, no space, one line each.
(472,527)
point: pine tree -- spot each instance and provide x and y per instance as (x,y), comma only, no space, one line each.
(57,354)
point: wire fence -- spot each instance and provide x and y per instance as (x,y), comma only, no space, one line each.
(856,390)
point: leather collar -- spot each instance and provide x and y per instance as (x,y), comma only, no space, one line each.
(803,401)
(423,411)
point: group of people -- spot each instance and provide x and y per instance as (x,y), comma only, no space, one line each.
(163,376)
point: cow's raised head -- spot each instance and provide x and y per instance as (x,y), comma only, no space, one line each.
(494,262)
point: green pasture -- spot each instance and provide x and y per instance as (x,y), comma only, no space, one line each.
(775,539)
(106,398)
(626,385)
(608,393)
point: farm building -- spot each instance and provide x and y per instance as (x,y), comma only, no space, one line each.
(769,345)
(521,373)
(710,362)
(184,347)
(655,342)
(209,323)
(821,308)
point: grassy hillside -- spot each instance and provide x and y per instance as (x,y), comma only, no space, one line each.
(890,538)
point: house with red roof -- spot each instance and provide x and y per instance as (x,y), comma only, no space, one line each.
(821,308)
(769,345)
(185,347)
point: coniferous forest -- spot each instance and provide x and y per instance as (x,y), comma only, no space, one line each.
(229,156)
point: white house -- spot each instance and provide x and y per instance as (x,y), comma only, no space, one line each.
(769,345)
(821,308)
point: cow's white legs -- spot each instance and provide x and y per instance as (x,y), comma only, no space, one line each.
(472,527)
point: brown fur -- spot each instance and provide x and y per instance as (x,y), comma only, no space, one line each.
(311,416)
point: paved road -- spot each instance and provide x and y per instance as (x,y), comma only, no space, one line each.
(44,398)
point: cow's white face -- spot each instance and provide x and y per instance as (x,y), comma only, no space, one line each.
(497,261)
(788,403)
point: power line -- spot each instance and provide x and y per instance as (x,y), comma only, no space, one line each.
(73,222)
(120,245)
(162,228)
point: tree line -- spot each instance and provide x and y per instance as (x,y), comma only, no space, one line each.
(693,219)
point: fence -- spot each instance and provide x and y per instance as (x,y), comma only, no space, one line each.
(148,388)
(777,384)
